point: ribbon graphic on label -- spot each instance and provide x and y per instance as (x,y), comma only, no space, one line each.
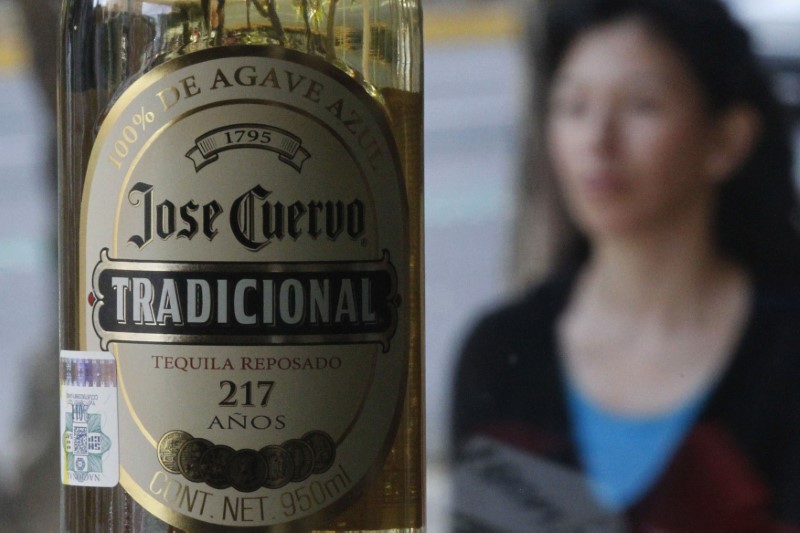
(208,146)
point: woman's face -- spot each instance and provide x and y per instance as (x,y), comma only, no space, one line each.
(628,133)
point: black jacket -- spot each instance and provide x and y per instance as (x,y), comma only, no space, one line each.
(738,468)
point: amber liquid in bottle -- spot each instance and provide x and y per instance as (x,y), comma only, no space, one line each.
(107,45)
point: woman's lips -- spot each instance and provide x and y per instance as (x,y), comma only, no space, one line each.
(603,184)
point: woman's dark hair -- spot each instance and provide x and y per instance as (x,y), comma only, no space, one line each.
(757,206)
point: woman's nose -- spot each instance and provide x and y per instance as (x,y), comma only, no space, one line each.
(602,129)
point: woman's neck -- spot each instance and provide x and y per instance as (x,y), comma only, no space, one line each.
(668,274)
(652,322)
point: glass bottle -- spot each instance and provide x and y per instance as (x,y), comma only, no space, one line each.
(215,288)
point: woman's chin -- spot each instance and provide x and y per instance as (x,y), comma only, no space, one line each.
(603,221)
(614,227)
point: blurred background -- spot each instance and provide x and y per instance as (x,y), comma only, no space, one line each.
(475,89)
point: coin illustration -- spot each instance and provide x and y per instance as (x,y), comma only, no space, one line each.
(214,466)
(302,458)
(168,448)
(189,458)
(324,450)
(279,466)
(247,470)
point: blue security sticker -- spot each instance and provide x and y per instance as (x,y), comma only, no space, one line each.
(89,427)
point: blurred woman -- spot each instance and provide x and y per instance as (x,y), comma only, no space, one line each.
(660,356)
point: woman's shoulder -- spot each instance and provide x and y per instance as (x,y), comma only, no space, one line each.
(523,319)
(776,317)
(766,366)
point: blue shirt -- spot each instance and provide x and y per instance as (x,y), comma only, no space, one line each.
(624,455)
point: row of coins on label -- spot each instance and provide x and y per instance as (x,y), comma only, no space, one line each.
(246,470)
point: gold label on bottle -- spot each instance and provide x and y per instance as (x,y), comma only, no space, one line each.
(245,260)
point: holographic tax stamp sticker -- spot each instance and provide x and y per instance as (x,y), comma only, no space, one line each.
(89,428)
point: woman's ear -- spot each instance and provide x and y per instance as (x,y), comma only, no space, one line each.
(737,131)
